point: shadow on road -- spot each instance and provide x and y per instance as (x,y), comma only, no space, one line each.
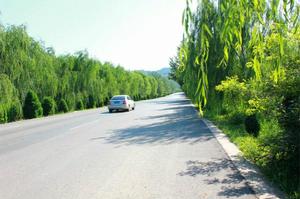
(232,183)
(180,124)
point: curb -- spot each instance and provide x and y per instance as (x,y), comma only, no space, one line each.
(251,173)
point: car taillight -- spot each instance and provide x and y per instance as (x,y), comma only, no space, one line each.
(124,102)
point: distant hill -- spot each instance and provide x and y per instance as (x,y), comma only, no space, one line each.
(163,72)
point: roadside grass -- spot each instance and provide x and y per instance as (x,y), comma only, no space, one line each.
(260,150)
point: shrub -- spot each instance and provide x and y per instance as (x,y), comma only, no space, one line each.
(223,111)
(289,119)
(32,106)
(99,104)
(3,114)
(63,106)
(49,106)
(91,102)
(234,92)
(254,151)
(79,105)
(15,112)
(236,118)
(252,125)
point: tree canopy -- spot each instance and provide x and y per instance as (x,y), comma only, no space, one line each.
(69,81)
(240,59)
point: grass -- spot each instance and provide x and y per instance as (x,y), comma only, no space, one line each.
(260,150)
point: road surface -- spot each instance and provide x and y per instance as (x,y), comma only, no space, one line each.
(160,150)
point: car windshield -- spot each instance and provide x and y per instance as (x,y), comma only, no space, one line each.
(118,98)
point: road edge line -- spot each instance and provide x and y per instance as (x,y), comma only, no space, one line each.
(262,188)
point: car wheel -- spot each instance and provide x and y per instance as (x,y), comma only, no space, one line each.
(110,110)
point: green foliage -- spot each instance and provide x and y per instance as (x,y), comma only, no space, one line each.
(49,106)
(9,106)
(252,125)
(234,94)
(251,148)
(232,86)
(63,106)
(15,112)
(91,102)
(26,64)
(32,106)
(236,118)
(79,105)
(239,59)
(3,114)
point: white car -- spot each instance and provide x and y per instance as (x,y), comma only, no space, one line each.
(121,102)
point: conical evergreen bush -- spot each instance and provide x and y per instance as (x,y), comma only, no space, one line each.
(32,107)
(63,106)
(49,106)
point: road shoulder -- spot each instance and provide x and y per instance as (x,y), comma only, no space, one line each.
(254,178)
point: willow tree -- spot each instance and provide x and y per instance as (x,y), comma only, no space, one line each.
(240,59)
(28,65)
(226,37)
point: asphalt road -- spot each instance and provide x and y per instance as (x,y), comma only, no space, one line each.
(160,150)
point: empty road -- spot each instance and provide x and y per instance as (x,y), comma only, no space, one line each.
(162,150)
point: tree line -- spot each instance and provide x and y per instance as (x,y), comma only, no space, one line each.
(36,82)
(239,62)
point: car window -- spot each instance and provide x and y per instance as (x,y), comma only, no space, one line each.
(118,98)
(128,98)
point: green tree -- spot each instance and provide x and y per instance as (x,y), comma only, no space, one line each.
(32,106)
(240,58)
(49,106)
(8,95)
(26,64)
(63,106)
(15,112)
(79,105)
(3,114)
(91,102)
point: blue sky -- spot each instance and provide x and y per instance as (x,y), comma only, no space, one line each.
(137,34)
